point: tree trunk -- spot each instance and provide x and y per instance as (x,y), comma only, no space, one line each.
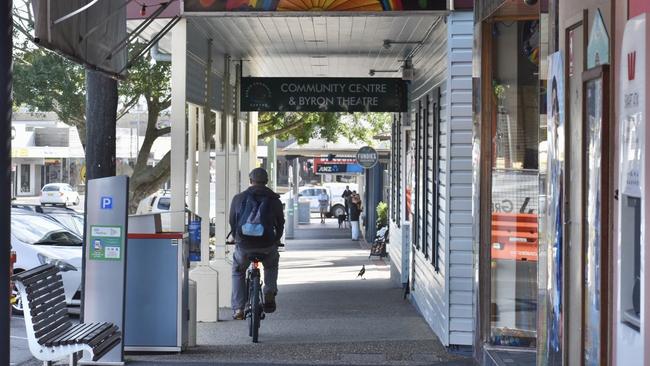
(101,113)
(148,180)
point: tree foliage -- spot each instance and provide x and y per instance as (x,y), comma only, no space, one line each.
(45,81)
(329,126)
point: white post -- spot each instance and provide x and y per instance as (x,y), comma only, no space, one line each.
(178,116)
(224,191)
(206,278)
(191,158)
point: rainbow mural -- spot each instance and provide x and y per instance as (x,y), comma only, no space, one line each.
(208,6)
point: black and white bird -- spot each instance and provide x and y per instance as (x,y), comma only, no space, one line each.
(362,272)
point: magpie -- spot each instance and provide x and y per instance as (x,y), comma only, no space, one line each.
(362,272)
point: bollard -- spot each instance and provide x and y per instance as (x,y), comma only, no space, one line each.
(191,337)
(289,221)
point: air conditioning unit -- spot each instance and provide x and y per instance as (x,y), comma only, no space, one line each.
(408,74)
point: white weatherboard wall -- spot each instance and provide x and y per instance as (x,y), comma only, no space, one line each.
(445,298)
(460,264)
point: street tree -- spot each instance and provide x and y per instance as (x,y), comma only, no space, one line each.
(304,126)
(45,81)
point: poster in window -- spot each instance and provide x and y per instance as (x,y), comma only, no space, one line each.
(554,212)
(592,274)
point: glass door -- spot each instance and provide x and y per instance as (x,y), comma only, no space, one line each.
(515,183)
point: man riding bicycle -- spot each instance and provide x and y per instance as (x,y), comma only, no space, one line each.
(258,207)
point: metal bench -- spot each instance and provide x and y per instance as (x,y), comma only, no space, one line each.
(50,333)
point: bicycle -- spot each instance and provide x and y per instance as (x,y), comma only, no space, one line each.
(254,310)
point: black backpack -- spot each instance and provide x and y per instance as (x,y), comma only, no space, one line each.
(254,220)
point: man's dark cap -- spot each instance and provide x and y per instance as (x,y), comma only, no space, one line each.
(259,175)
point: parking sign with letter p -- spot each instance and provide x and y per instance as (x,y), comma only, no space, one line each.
(106,203)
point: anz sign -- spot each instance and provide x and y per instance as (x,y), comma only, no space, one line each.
(339,169)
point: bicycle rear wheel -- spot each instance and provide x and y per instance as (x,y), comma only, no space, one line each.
(256,309)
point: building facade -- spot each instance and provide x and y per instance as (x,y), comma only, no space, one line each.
(558,193)
(430,218)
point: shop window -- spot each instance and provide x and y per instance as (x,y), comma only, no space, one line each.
(435,168)
(515,183)
(25,178)
(427,209)
(418,187)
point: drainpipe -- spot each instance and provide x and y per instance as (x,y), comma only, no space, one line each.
(159,56)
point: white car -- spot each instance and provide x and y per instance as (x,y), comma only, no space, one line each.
(309,193)
(336,196)
(59,194)
(37,240)
(156,202)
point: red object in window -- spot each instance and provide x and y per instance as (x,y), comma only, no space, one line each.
(207,3)
(638,7)
(514,236)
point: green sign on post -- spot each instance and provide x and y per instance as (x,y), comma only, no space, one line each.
(106,243)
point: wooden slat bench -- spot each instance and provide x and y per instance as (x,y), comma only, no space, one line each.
(50,333)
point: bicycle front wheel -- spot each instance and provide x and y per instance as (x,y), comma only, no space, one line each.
(256,310)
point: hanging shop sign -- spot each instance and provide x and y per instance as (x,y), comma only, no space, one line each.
(367,157)
(323,94)
(216,6)
(338,168)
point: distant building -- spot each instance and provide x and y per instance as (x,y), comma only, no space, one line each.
(46,150)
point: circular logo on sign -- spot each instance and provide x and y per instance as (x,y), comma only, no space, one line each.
(367,157)
(258,95)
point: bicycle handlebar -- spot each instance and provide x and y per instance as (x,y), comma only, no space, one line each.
(280,244)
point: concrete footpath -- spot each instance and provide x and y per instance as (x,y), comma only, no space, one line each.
(326,315)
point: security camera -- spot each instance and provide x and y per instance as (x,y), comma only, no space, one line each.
(530,2)
(387,44)
(371,73)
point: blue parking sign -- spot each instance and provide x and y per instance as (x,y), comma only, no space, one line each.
(106,203)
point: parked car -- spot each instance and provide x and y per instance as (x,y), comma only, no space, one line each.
(37,240)
(309,193)
(59,194)
(334,191)
(156,202)
(336,196)
(160,202)
(71,219)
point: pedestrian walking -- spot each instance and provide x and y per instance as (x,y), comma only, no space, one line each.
(355,213)
(323,203)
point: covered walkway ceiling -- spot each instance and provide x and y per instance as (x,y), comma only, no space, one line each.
(304,45)
(314,46)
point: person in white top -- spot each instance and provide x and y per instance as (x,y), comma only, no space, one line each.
(323,202)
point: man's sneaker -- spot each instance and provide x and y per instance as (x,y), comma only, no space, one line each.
(269,303)
(238,314)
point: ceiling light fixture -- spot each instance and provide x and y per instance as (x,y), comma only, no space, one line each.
(372,72)
(388,43)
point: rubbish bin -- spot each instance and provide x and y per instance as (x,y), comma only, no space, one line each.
(303,212)
(194,231)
